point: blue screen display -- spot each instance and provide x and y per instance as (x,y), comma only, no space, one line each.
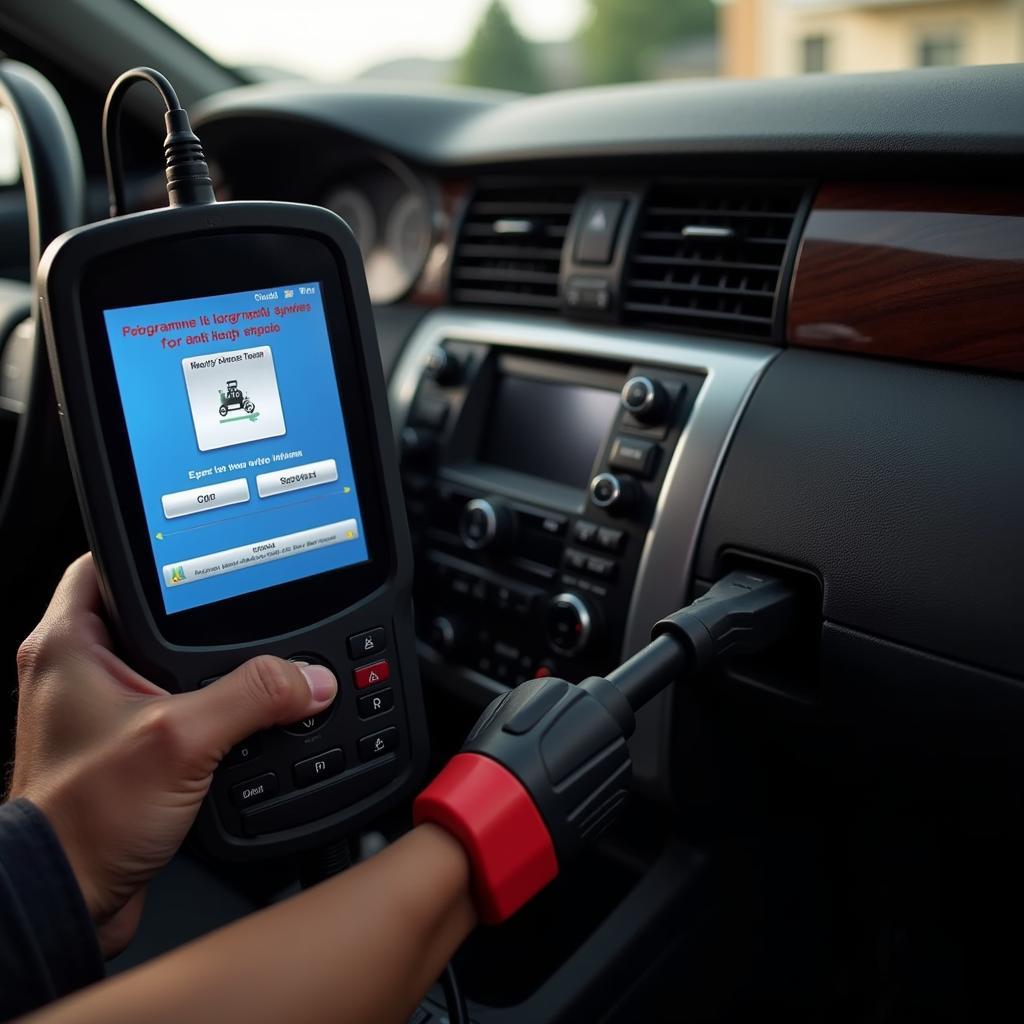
(238,440)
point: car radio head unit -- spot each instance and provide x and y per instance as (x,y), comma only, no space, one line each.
(226,417)
(532,477)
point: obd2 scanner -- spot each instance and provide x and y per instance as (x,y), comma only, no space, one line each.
(226,418)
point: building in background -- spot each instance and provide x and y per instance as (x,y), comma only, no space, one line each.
(769,38)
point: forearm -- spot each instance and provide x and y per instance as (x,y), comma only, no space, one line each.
(362,947)
(47,944)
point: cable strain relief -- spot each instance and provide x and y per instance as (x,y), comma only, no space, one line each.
(188,174)
(691,634)
(614,702)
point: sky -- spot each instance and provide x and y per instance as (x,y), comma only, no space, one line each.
(333,39)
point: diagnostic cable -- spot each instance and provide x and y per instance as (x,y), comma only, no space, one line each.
(547,766)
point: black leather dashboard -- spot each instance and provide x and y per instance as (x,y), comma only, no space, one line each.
(901,486)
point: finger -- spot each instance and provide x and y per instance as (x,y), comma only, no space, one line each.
(263,692)
(72,622)
(73,625)
(77,606)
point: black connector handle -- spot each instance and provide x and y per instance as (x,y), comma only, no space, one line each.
(743,613)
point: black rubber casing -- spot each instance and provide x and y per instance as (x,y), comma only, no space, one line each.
(321,612)
(567,748)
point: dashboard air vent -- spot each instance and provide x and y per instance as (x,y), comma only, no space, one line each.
(712,257)
(510,246)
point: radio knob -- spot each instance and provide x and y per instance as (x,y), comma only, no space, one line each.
(570,623)
(446,634)
(486,524)
(612,493)
(646,399)
(442,367)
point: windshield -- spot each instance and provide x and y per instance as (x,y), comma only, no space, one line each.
(540,45)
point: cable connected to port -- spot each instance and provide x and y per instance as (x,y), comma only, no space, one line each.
(547,767)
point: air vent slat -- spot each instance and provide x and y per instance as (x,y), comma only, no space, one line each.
(673,286)
(509,248)
(509,252)
(700,314)
(710,256)
(512,274)
(500,297)
(672,261)
(713,211)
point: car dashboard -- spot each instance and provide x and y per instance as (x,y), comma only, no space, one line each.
(638,336)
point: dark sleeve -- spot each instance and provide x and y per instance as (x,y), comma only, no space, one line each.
(48,946)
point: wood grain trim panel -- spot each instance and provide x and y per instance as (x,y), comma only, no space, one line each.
(915,272)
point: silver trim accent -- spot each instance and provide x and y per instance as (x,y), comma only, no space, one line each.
(586,621)
(616,494)
(483,505)
(707,231)
(664,577)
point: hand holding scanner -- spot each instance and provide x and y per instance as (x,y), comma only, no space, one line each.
(225,414)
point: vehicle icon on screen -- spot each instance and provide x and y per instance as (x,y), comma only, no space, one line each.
(233,398)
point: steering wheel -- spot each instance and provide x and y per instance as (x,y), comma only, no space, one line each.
(35,486)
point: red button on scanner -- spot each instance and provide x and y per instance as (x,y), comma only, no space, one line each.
(371,675)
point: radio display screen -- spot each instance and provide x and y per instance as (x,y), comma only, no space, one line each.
(235,422)
(548,429)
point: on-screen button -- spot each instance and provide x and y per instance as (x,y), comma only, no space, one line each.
(199,499)
(295,478)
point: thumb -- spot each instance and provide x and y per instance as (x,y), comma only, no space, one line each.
(263,692)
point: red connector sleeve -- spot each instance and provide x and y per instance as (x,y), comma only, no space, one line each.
(491,813)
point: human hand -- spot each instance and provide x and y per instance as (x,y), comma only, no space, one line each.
(117,764)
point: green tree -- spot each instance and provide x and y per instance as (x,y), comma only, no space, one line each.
(499,56)
(620,37)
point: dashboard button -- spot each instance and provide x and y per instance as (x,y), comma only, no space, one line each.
(447,633)
(307,725)
(378,703)
(585,532)
(609,539)
(604,568)
(244,752)
(377,744)
(576,560)
(598,226)
(323,766)
(616,496)
(634,455)
(443,367)
(555,525)
(569,623)
(254,791)
(371,675)
(646,399)
(372,641)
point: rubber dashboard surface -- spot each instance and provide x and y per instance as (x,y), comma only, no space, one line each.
(937,110)
(903,487)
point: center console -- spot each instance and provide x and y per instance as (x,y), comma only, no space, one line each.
(555,478)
